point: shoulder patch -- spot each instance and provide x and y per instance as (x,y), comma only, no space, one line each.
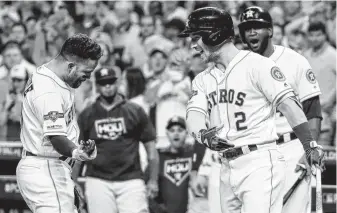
(53,116)
(311,76)
(277,74)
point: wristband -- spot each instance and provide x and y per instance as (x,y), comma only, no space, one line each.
(303,133)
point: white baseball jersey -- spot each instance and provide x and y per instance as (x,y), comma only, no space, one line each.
(243,98)
(48,109)
(299,75)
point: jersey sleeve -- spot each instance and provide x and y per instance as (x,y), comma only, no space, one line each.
(148,132)
(198,99)
(49,110)
(272,82)
(307,83)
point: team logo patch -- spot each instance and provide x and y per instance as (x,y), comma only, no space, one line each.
(311,76)
(177,170)
(53,116)
(277,74)
(110,128)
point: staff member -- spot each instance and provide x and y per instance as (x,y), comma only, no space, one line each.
(114,179)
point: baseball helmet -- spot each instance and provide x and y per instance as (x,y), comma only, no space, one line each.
(214,25)
(254,16)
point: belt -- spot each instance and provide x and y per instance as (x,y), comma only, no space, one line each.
(286,138)
(237,152)
(69,161)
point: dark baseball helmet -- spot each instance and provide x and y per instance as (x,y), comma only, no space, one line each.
(212,24)
(254,16)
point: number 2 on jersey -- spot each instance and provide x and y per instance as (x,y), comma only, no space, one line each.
(241,118)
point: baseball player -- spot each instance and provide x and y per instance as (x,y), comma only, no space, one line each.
(256,29)
(115,180)
(49,131)
(240,95)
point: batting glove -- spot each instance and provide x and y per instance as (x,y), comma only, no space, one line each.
(315,155)
(210,139)
(86,151)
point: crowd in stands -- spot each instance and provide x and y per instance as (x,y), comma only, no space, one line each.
(139,40)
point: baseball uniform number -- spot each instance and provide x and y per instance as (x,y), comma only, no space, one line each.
(242,119)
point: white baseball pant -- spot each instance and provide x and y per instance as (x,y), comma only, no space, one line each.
(300,200)
(127,196)
(46,185)
(253,182)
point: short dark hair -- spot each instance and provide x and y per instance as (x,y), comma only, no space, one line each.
(20,24)
(175,23)
(316,26)
(82,47)
(10,44)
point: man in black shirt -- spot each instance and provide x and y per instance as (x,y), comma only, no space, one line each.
(114,179)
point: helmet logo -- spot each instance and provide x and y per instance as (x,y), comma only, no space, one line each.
(250,14)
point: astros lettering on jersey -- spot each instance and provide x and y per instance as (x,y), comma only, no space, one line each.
(299,75)
(243,98)
(48,109)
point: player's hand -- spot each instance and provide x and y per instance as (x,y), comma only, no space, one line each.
(199,185)
(315,157)
(152,189)
(304,165)
(210,139)
(86,151)
(88,146)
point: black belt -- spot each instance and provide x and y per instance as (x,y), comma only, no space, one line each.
(282,139)
(69,161)
(237,152)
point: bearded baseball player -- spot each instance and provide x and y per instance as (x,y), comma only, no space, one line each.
(256,29)
(49,130)
(240,95)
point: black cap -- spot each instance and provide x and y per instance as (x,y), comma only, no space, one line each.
(176,120)
(105,74)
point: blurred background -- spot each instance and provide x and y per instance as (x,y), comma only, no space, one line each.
(140,38)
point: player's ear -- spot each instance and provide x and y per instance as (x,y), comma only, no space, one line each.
(71,67)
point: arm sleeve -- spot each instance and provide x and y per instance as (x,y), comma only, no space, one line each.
(82,120)
(49,110)
(198,99)
(199,152)
(307,84)
(312,108)
(148,132)
(272,82)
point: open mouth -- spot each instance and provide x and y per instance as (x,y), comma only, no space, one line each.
(254,43)
(176,139)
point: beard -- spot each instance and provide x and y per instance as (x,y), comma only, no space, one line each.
(212,57)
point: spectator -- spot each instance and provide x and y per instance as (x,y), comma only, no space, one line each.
(174,183)
(19,77)
(172,29)
(12,55)
(278,35)
(135,88)
(322,57)
(126,31)
(172,10)
(4,88)
(19,34)
(135,53)
(114,178)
